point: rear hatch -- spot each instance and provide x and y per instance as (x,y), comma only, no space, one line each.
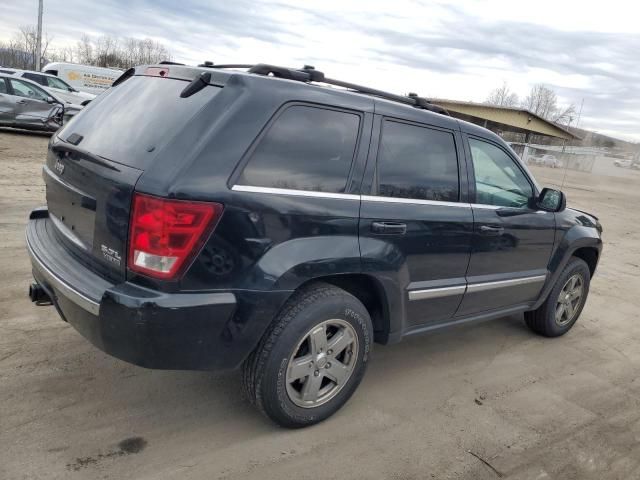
(94,162)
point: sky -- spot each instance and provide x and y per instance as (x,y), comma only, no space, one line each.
(457,50)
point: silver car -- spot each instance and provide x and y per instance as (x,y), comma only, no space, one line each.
(53,85)
(24,104)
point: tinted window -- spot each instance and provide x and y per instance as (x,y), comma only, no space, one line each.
(499,181)
(417,162)
(3,86)
(27,90)
(306,148)
(130,123)
(35,78)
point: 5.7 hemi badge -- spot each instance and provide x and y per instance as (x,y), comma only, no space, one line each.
(111,255)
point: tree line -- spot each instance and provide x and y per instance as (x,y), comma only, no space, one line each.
(541,100)
(104,51)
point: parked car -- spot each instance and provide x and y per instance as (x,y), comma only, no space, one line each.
(85,78)
(262,220)
(622,163)
(24,104)
(53,85)
(547,160)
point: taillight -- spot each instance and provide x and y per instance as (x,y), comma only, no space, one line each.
(164,235)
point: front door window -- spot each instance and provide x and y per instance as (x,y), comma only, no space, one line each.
(499,181)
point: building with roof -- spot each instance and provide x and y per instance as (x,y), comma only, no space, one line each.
(505,119)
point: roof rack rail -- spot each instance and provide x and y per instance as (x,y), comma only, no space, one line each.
(208,64)
(309,74)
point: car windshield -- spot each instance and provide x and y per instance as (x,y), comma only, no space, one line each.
(55,82)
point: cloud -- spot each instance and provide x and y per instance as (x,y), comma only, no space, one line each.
(435,48)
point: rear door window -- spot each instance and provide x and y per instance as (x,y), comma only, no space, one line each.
(417,162)
(306,148)
(3,86)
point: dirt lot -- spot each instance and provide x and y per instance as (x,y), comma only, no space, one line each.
(532,408)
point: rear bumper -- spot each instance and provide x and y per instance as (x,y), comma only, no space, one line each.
(187,331)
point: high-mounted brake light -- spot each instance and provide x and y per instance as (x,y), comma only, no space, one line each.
(165,235)
(157,71)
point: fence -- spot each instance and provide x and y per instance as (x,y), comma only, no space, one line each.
(534,155)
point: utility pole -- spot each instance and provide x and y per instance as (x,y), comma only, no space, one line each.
(39,38)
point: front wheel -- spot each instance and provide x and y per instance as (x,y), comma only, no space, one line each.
(312,358)
(565,302)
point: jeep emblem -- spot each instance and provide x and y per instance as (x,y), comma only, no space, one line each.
(59,167)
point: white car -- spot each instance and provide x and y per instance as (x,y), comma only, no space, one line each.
(85,78)
(52,84)
(547,161)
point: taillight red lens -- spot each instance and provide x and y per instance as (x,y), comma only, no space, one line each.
(164,235)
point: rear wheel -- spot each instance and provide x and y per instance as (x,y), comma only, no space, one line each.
(563,306)
(312,358)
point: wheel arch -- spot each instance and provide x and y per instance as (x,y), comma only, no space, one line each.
(368,290)
(590,255)
(587,248)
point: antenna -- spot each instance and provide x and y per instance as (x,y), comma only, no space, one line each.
(566,166)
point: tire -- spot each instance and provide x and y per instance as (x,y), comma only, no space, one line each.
(552,319)
(293,345)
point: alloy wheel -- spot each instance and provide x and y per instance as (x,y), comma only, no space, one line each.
(322,363)
(569,300)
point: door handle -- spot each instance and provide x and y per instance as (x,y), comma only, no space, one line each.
(491,230)
(21,101)
(389,228)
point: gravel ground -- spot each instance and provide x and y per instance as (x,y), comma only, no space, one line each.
(477,402)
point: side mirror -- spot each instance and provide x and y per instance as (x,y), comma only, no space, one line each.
(51,100)
(551,200)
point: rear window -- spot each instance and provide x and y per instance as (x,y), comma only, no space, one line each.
(34,77)
(306,148)
(130,123)
(417,163)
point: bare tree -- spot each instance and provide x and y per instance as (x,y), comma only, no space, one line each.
(502,96)
(565,115)
(22,50)
(105,51)
(11,54)
(114,52)
(543,101)
(84,50)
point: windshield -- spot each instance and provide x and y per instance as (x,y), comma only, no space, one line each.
(55,82)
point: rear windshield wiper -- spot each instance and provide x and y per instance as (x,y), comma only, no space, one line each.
(89,157)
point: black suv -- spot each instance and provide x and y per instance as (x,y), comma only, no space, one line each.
(210,218)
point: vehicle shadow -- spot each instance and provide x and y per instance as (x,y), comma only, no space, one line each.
(216,400)
(100,401)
